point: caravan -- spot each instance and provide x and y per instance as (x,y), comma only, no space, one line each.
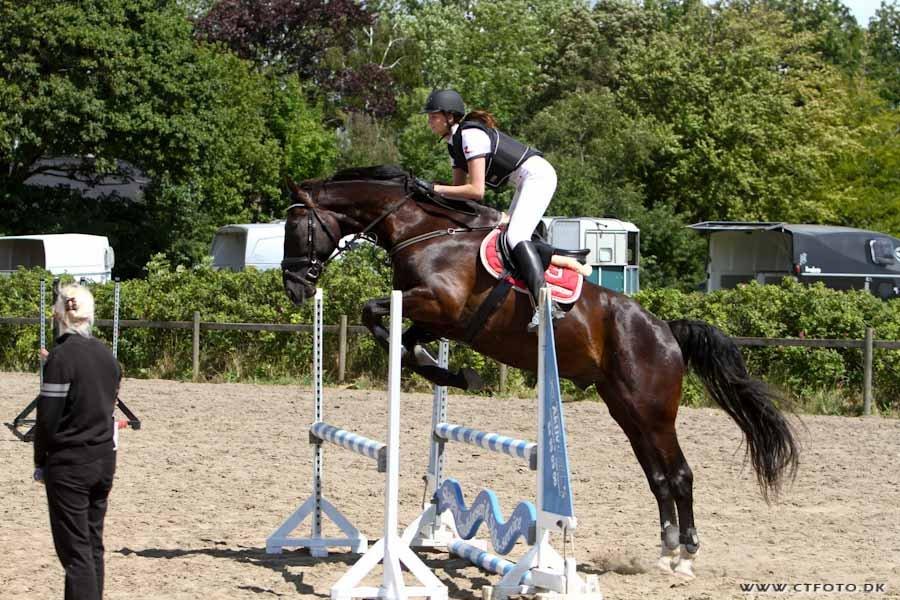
(614,247)
(259,245)
(87,258)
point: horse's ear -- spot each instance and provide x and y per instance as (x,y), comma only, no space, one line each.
(298,194)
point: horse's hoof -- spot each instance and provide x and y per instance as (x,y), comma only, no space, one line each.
(473,380)
(423,357)
(685,566)
(667,560)
(684,571)
(664,564)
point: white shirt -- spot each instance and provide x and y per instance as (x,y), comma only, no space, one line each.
(475,142)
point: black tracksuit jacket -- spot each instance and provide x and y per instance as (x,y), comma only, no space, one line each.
(75,421)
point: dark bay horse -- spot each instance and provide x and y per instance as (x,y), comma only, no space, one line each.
(635,361)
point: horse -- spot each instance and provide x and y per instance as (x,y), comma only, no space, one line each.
(635,361)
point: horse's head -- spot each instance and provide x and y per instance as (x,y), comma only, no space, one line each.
(311,234)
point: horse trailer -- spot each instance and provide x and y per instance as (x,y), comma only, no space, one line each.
(87,258)
(614,248)
(259,245)
(841,257)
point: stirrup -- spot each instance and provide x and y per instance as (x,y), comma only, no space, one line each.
(556,314)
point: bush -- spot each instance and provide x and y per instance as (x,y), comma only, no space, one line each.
(820,379)
(793,310)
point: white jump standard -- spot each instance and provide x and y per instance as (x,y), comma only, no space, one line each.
(446,521)
(391,550)
(317,504)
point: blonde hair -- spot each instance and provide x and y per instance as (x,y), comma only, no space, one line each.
(74,310)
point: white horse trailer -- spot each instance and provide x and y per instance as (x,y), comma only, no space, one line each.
(614,247)
(84,257)
(259,245)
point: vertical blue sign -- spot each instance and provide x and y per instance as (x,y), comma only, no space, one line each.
(557,489)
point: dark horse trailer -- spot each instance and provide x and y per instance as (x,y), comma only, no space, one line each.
(842,258)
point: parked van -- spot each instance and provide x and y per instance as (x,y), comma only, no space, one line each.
(840,257)
(614,248)
(85,257)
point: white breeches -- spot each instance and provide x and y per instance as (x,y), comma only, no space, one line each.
(535,183)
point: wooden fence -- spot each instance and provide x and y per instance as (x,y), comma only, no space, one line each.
(868,345)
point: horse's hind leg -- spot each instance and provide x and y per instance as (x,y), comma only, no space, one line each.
(651,430)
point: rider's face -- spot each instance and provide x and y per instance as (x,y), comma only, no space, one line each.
(439,124)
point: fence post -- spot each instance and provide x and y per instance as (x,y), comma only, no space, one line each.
(342,349)
(867,371)
(503,374)
(196,354)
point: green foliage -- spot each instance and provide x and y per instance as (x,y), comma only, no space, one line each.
(884,50)
(517,35)
(752,127)
(793,310)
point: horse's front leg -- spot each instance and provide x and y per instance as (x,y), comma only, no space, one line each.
(373,315)
(415,357)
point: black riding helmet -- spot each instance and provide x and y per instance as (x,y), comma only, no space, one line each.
(445,101)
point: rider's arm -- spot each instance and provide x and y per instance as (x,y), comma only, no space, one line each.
(469,187)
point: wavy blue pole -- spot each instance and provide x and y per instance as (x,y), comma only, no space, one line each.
(486,509)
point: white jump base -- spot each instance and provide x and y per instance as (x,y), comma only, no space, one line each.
(391,550)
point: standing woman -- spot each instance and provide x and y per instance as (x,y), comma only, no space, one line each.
(74,443)
(482,155)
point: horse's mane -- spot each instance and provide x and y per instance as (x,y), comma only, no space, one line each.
(394,173)
(378,173)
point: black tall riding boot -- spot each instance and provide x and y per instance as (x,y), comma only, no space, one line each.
(528,261)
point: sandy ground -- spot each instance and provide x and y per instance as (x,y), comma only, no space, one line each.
(217,468)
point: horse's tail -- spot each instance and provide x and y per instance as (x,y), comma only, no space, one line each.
(771,443)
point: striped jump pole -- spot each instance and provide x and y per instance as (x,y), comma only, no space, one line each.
(447,521)
(317,506)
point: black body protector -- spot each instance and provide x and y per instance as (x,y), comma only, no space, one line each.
(507,154)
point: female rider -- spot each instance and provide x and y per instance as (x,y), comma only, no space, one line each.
(482,155)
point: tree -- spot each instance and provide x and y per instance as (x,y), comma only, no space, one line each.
(884,50)
(757,117)
(506,47)
(125,80)
(838,36)
(328,44)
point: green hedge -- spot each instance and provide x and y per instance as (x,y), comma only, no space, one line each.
(823,380)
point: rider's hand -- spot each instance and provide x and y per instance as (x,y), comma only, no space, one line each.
(38,474)
(426,187)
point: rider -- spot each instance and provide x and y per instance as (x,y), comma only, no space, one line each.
(482,155)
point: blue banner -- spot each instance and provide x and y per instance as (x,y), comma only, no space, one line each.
(557,489)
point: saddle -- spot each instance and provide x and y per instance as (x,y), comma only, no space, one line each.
(565,283)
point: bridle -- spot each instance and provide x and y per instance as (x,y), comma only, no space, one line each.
(290,266)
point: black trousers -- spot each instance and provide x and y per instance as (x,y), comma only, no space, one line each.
(76,495)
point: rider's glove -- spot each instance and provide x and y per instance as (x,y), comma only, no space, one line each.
(425,187)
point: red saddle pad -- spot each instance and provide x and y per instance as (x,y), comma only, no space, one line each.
(565,284)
